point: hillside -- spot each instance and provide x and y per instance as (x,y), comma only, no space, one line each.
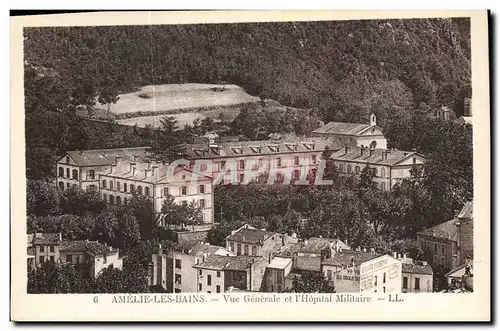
(337,67)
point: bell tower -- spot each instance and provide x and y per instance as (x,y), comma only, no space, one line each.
(373,120)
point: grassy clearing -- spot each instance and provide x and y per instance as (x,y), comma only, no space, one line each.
(177,98)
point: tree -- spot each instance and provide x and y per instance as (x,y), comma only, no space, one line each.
(311,282)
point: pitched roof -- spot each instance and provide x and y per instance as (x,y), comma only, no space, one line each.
(219,262)
(98,157)
(144,172)
(93,247)
(45,238)
(466,211)
(204,248)
(417,269)
(316,245)
(457,268)
(344,128)
(447,230)
(259,147)
(250,236)
(347,258)
(377,156)
(280,263)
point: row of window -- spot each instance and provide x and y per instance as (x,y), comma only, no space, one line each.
(42,249)
(279,162)
(200,288)
(139,190)
(431,247)
(357,170)
(74,173)
(417,283)
(246,249)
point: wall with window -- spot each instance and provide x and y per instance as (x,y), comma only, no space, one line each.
(46,253)
(185,278)
(416,283)
(237,278)
(345,279)
(101,262)
(210,281)
(381,275)
(74,257)
(441,252)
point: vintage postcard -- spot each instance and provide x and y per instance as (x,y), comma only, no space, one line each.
(250,166)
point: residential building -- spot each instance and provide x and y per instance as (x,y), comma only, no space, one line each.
(121,180)
(250,241)
(382,274)
(343,269)
(276,273)
(97,255)
(185,276)
(465,236)
(308,255)
(450,243)
(43,247)
(49,247)
(79,168)
(219,273)
(417,277)
(390,166)
(354,134)
(172,269)
(445,113)
(461,276)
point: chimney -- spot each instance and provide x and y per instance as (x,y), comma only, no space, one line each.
(154,170)
(136,157)
(113,168)
(283,239)
(147,172)
(395,255)
(346,148)
(372,250)
(399,256)
(306,242)
(362,149)
(364,250)
(352,262)
(404,258)
(118,159)
(270,257)
(60,236)
(133,170)
(132,166)
(371,151)
(424,263)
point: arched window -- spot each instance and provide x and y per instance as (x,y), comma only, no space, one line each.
(139,189)
(118,186)
(375,171)
(357,169)
(61,185)
(105,197)
(118,200)
(383,172)
(349,169)
(61,172)
(111,185)
(146,190)
(67,173)
(165,191)
(373,144)
(124,187)
(67,159)
(67,186)
(103,183)
(132,188)
(341,167)
(75,174)
(125,200)
(111,199)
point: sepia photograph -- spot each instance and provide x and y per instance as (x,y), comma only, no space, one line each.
(326,161)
